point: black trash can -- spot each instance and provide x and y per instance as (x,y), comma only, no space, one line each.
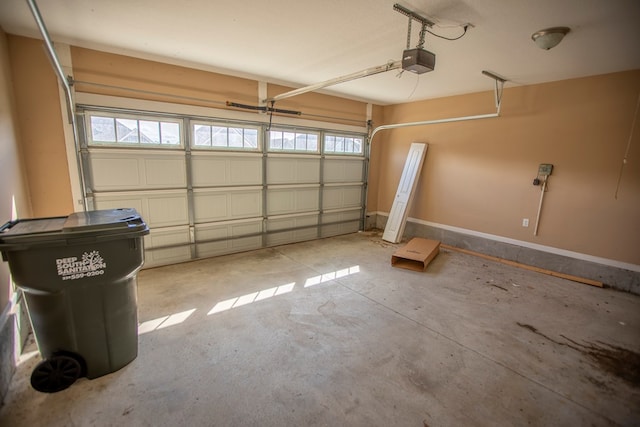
(78,275)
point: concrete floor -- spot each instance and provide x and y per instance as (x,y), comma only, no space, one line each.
(327,333)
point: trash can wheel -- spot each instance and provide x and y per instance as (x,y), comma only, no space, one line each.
(55,374)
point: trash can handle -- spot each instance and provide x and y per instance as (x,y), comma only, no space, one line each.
(8,224)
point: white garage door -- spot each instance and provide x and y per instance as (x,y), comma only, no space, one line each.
(209,187)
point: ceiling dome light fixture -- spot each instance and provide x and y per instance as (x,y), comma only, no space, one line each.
(550,37)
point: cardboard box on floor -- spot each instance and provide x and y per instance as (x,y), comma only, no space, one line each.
(416,254)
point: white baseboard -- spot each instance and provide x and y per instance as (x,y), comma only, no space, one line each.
(543,248)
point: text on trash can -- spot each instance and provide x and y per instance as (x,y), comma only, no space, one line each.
(71,268)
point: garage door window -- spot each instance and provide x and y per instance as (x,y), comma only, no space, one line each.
(133,130)
(223,136)
(291,140)
(342,144)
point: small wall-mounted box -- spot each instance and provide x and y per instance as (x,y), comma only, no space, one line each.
(545,169)
(416,254)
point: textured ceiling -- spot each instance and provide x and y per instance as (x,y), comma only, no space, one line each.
(304,42)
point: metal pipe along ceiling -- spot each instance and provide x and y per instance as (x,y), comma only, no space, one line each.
(499,85)
(432,122)
(51,52)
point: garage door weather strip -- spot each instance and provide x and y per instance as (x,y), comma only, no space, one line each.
(499,86)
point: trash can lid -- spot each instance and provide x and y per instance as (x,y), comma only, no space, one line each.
(79,224)
(126,219)
(32,226)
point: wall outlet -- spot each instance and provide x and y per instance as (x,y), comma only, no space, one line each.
(525,222)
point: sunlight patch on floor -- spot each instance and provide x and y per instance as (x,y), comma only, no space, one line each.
(250,298)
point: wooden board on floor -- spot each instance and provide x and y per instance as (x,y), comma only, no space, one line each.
(527,267)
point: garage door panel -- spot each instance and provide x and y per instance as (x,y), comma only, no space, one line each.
(209,171)
(168,210)
(245,171)
(159,237)
(214,171)
(280,202)
(343,170)
(288,170)
(291,234)
(336,223)
(209,207)
(159,209)
(222,205)
(229,246)
(228,237)
(166,256)
(342,197)
(292,200)
(167,172)
(246,204)
(307,199)
(135,170)
(115,174)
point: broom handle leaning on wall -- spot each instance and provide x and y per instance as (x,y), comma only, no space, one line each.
(544,187)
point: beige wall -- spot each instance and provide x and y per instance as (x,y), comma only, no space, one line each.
(478,175)
(197,87)
(13,191)
(204,88)
(40,127)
